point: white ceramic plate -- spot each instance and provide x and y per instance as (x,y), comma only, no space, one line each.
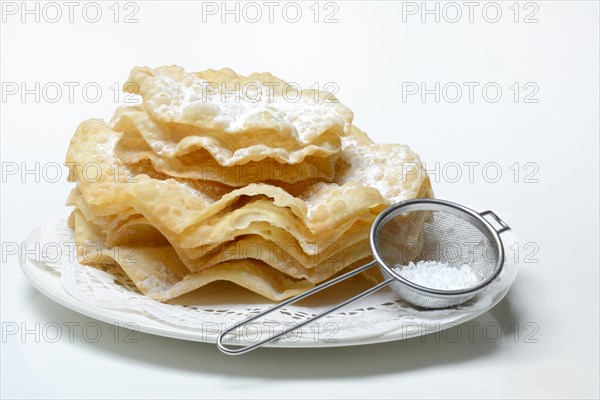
(201,315)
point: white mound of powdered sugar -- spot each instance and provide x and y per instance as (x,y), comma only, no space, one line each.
(438,275)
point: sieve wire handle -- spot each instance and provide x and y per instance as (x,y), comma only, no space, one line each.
(301,296)
(504,225)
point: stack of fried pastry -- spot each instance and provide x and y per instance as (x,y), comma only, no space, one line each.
(216,176)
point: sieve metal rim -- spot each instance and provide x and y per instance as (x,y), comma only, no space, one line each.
(446,206)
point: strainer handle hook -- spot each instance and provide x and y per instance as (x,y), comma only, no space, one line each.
(504,225)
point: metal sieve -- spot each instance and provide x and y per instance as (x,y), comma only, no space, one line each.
(411,231)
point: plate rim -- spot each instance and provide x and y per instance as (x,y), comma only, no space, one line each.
(51,286)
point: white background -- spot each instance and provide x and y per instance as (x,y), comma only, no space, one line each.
(368,53)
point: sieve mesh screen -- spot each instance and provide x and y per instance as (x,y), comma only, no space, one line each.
(433,235)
